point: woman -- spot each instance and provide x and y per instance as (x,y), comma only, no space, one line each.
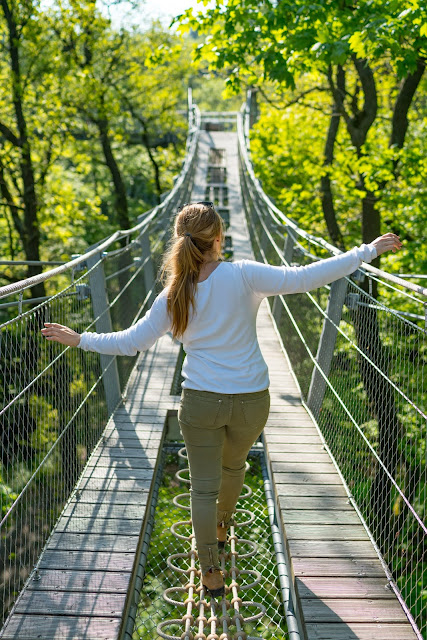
(211,307)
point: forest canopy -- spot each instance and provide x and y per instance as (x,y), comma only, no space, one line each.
(93,118)
(341,138)
(92,128)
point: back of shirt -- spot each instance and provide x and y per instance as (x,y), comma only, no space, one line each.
(223,354)
(220,341)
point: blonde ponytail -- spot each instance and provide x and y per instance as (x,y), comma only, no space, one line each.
(195,229)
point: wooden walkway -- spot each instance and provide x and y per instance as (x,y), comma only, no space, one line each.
(338,579)
(87,568)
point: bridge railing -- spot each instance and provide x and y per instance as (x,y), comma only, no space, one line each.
(55,401)
(359,351)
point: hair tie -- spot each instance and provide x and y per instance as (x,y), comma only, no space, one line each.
(188,234)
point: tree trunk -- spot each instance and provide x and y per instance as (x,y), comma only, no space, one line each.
(379,392)
(14,210)
(155,166)
(146,140)
(402,105)
(121,204)
(381,400)
(371,220)
(328,155)
(31,236)
(371,227)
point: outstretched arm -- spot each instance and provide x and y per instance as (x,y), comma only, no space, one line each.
(139,337)
(267,280)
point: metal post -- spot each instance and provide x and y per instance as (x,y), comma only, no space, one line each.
(288,252)
(325,350)
(101,308)
(149,275)
(246,119)
(190,107)
(253,107)
(263,240)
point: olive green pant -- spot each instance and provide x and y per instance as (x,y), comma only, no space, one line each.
(219,430)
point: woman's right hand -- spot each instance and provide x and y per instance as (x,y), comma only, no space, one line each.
(387,242)
(60,333)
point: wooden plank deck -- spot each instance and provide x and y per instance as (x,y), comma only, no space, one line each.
(339,581)
(87,568)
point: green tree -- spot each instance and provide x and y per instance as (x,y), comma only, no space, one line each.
(92,130)
(26,149)
(105,73)
(260,39)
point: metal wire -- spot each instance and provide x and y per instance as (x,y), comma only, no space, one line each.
(48,431)
(55,401)
(366,388)
(173,603)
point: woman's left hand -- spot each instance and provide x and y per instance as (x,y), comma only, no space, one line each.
(387,242)
(60,333)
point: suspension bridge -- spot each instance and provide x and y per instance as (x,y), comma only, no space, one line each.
(329,541)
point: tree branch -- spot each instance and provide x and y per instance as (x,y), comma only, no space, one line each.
(9,135)
(328,204)
(279,105)
(338,97)
(361,121)
(403,103)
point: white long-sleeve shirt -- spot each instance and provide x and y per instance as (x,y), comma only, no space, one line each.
(222,351)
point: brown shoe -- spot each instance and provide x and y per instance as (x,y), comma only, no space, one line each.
(221,534)
(213,582)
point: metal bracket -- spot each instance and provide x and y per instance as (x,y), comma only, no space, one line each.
(358,275)
(352,300)
(36,575)
(83,291)
(78,267)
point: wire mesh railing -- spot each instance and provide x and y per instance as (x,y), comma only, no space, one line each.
(359,351)
(55,401)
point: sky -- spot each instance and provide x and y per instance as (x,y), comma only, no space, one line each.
(163,10)
(170,8)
